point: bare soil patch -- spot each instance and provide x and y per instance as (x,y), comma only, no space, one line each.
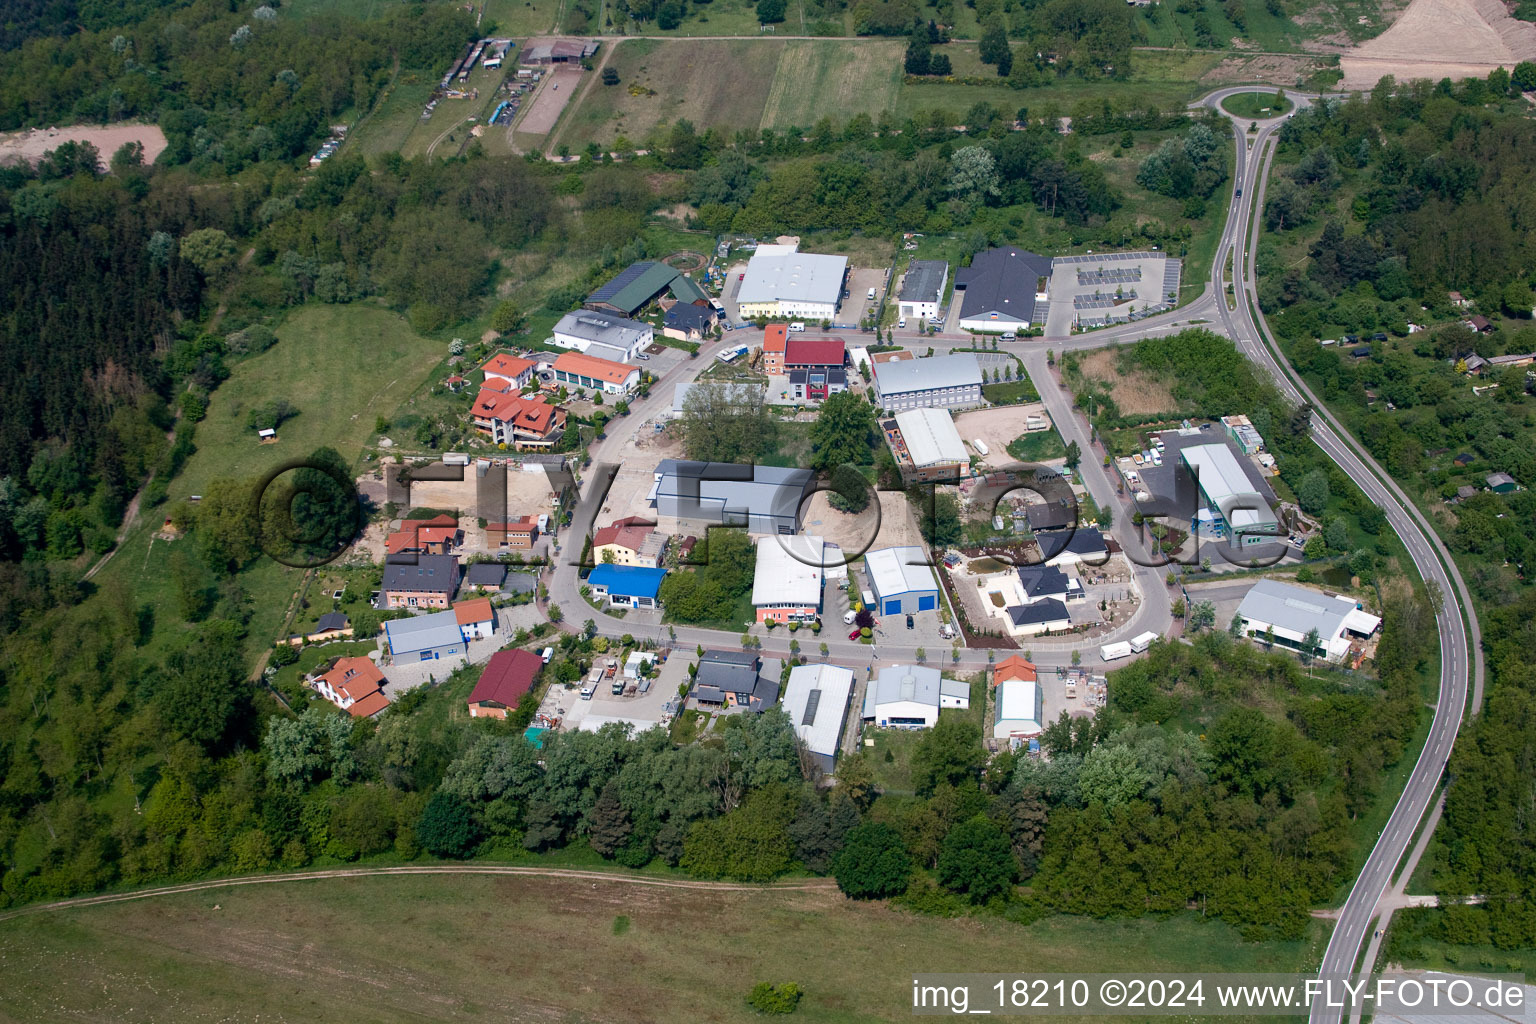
(1437,39)
(1135,393)
(1279,70)
(997,428)
(554,94)
(29,145)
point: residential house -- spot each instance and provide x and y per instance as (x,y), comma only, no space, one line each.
(435,536)
(434,637)
(628,541)
(775,342)
(788,581)
(353,684)
(1479,324)
(816,701)
(922,289)
(902,580)
(764,499)
(791,284)
(476,618)
(507,678)
(627,586)
(526,424)
(1084,545)
(590,373)
(419,581)
(815,367)
(640,284)
(942,382)
(683,321)
(910,697)
(482,576)
(1459,301)
(734,679)
(1014,667)
(332,626)
(1006,289)
(505,372)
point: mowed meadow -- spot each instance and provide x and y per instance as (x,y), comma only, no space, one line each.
(736,84)
(548,949)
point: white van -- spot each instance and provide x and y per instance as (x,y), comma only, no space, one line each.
(797,326)
(871,295)
(549,652)
(849,616)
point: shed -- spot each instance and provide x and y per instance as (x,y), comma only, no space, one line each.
(1502,483)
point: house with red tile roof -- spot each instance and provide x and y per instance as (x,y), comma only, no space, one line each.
(505,372)
(512,534)
(527,424)
(353,684)
(476,618)
(815,367)
(1015,667)
(775,339)
(575,370)
(435,536)
(508,676)
(628,541)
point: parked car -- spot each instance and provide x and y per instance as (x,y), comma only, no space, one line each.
(642,355)
(854,635)
(910,622)
(1009,335)
(902,323)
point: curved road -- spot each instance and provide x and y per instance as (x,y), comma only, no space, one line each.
(1461,666)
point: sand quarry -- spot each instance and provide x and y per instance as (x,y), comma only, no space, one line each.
(1437,39)
(30,144)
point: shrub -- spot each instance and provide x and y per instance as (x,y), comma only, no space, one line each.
(769,998)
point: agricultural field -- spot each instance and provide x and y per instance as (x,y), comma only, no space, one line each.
(817,78)
(317,366)
(313,951)
(661,81)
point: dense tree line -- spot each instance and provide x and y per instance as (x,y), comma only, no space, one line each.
(1439,177)
(228,87)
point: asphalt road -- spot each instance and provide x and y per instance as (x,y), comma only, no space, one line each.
(1461,667)
(1461,670)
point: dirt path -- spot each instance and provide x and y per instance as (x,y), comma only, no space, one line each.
(130,516)
(434,869)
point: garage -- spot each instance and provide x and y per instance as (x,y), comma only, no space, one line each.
(927,602)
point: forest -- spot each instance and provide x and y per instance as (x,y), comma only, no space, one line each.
(1379,210)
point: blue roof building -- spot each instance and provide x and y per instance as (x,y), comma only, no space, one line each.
(627,586)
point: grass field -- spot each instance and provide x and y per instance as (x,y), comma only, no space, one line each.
(1255,104)
(674,80)
(520,18)
(340,366)
(388,126)
(543,949)
(816,78)
(1040,446)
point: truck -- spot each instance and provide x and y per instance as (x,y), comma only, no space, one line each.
(455,459)
(1142,642)
(981,446)
(1109,652)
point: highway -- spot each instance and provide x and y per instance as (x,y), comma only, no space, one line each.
(1461,662)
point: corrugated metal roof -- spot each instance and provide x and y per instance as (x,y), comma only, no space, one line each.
(793,277)
(816,700)
(931,437)
(951,371)
(899,570)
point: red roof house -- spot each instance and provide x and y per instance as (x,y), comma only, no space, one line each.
(355,685)
(804,353)
(507,677)
(433,536)
(506,417)
(504,372)
(1014,668)
(774,340)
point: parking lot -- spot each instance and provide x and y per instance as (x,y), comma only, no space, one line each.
(1108,284)
(857,304)
(997,428)
(642,710)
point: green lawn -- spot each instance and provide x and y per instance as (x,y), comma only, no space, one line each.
(1010,392)
(519,18)
(503,948)
(1256,105)
(341,366)
(833,77)
(396,115)
(1040,446)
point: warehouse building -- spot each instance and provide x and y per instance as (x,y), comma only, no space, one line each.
(433,637)
(640,284)
(943,382)
(1006,289)
(902,580)
(764,499)
(792,284)
(926,445)
(1232,505)
(1293,612)
(786,586)
(922,289)
(816,700)
(1020,710)
(911,696)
